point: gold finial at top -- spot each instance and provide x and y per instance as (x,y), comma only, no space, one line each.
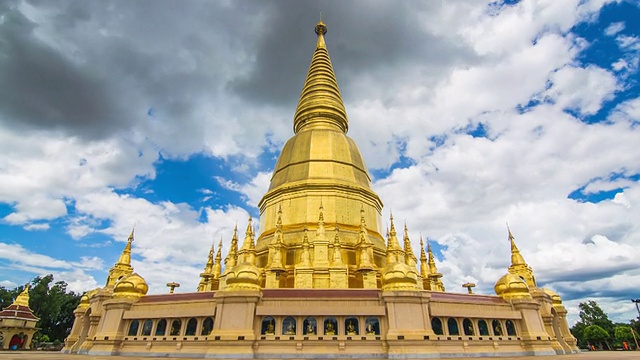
(516,257)
(23,298)
(320,104)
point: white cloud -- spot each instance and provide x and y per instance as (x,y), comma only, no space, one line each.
(614,28)
(582,89)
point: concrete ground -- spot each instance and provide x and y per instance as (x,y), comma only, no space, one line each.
(43,355)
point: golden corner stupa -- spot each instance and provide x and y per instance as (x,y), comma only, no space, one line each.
(320,281)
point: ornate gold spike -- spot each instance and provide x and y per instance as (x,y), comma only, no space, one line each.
(23,298)
(320,103)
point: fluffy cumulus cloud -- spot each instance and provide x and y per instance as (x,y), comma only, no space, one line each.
(470,114)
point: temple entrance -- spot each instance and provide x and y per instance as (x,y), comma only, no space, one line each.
(17,342)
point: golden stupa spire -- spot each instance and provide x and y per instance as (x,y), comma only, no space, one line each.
(305,257)
(432,262)
(337,254)
(393,245)
(125,257)
(217,266)
(209,266)
(424,267)
(123,266)
(232,257)
(410,257)
(516,257)
(434,276)
(23,298)
(320,103)
(518,265)
(275,248)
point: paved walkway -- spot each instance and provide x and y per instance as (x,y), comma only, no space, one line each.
(43,355)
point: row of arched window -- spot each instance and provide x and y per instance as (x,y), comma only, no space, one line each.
(321,326)
(473,327)
(170,327)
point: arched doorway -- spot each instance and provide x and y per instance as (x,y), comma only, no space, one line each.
(17,342)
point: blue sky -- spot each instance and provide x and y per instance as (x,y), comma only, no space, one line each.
(469,115)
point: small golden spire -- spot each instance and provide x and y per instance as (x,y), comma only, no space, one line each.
(516,257)
(337,254)
(23,298)
(424,269)
(125,257)
(217,266)
(248,236)
(305,257)
(232,257)
(410,257)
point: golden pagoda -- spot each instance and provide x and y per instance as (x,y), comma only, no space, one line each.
(320,280)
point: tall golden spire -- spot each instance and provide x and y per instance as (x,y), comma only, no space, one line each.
(125,257)
(516,257)
(518,265)
(123,266)
(320,103)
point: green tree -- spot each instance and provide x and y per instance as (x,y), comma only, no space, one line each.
(591,314)
(623,333)
(596,335)
(54,306)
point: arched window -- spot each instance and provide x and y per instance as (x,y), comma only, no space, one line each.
(268,326)
(467,326)
(133,328)
(289,326)
(351,326)
(372,326)
(483,328)
(511,328)
(497,328)
(176,325)
(207,326)
(161,328)
(192,324)
(436,325)
(310,326)
(452,326)
(330,326)
(146,327)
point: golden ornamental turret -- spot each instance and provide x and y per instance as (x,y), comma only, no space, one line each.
(518,266)
(23,298)
(217,265)
(275,265)
(231,260)
(410,258)
(397,275)
(321,167)
(393,243)
(424,266)
(245,275)
(337,252)
(435,281)
(207,275)
(123,266)
(364,245)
